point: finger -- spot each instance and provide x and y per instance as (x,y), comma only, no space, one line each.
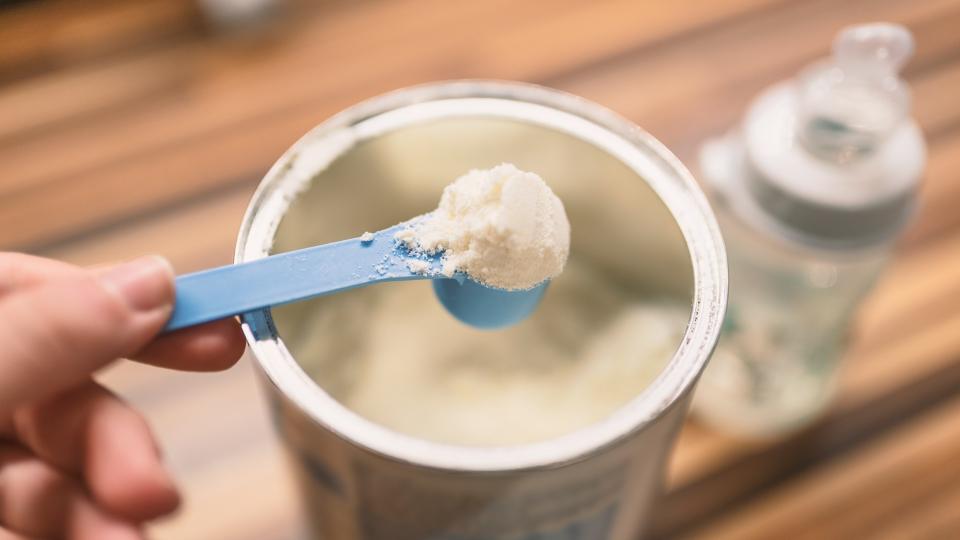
(38,500)
(90,432)
(19,270)
(57,333)
(90,522)
(9,535)
(211,347)
(34,497)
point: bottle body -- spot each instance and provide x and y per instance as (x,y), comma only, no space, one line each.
(789,314)
(811,192)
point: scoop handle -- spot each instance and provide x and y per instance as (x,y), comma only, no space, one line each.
(235,289)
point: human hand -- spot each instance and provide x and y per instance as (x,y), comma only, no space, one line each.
(76,461)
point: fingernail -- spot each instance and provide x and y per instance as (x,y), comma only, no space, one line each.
(144,283)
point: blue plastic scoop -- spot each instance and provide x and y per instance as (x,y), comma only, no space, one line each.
(298,275)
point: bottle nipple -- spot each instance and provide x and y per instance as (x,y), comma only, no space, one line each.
(851,103)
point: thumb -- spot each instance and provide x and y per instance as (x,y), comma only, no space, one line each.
(56,334)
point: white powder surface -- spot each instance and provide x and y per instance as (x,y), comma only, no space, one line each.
(503,227)
(366,237)
(411,368)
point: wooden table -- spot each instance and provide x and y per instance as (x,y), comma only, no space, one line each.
(131,127)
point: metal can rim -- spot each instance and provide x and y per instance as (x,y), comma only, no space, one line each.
(665,174)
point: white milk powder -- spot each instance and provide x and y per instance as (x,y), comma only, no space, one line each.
(411,367)
(504,227)
(393,355)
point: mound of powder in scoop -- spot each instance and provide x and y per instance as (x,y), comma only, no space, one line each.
(503,227)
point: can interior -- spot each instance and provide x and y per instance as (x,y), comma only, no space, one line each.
(626,251)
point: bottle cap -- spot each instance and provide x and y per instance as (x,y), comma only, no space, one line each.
(834,154)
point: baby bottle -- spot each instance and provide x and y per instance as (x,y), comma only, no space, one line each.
(811,192)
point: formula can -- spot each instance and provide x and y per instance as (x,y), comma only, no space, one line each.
(363,481)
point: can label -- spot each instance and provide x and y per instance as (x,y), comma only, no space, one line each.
(447,507)
(587,528)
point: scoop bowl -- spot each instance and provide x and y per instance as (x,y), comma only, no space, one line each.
(485,307)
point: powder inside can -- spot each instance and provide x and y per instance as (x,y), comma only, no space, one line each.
(503,227)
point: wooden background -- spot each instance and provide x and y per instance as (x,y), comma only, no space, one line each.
(134,127)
